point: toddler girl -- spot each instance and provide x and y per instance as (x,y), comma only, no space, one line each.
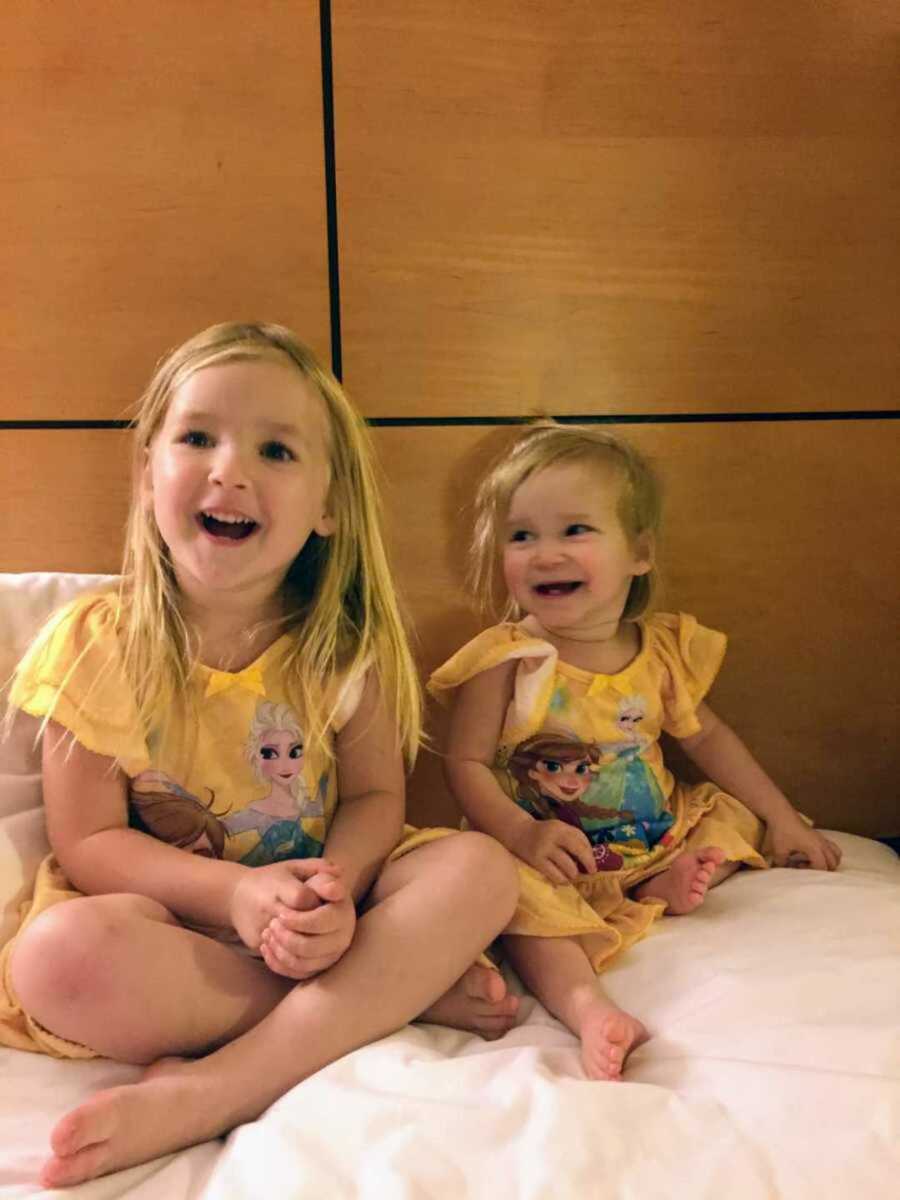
(553,746)
(223,750)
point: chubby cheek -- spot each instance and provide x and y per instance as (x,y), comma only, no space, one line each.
(514,576)
(166,491)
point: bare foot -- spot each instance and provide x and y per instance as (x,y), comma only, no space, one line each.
(477,1002)
(684,885)
(607,1036)
(162,1112)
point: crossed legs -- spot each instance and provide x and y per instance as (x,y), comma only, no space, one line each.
(122,976)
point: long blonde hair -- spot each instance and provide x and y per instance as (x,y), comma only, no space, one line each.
(344,612)
(546,443)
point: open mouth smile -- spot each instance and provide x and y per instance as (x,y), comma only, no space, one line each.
(227,527)
(562,587)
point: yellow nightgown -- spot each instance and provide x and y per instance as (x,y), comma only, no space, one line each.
(243,785)
(584,748)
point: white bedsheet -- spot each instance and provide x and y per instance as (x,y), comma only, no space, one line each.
(773,1071)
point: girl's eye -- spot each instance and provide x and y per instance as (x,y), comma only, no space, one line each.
(551,766)
(582,769)
(278,452)
(296,751)
(268,752)
(575,530)
(519,535)
(196,437)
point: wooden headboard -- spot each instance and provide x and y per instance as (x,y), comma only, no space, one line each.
(675,219)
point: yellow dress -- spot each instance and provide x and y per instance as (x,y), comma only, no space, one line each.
(584,748)
(241,784)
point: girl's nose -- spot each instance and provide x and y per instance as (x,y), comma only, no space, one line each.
(547,552)
(228,469)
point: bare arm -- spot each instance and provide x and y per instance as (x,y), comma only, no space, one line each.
(724,759)
(85,798)
(369,818)
(475,727)
(365,829)
(557,849)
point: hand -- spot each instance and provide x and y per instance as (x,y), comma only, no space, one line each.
(557,850)
(300,944)
(795,844)
(263,892)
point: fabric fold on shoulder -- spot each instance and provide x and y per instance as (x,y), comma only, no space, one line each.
(692,656)
(73,674)
(537,661)
(500,643)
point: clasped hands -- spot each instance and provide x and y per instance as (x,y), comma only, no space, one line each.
(297,914)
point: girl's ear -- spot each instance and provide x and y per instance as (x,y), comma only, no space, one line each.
(324,527)
(644,554)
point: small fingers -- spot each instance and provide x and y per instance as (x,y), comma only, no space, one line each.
(582,851)
(281,962)
(297,896)
(561,858)
(325,918)
(833,854)
(328,887)
(306,868)
(548,868)
(330,942)
(301,959)
(816,856)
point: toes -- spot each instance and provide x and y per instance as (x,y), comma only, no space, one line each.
(87,1125)
(482,983)
(495,1027)
(75,1168)
(712,854)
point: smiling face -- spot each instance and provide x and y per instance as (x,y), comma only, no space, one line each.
(280,756)
(237,477)
(561,779)
(567,558)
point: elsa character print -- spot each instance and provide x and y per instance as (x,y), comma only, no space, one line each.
(628,783)
(275,752)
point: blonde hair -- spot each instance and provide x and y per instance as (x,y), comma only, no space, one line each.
(547,443)
(345,612)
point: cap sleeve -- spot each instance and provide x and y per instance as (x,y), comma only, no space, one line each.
(72,673)
(500,643)
(691,656)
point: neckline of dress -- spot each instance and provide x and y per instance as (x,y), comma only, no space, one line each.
(252,667)
(581,672)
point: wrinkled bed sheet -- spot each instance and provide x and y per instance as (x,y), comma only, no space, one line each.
(773,1071)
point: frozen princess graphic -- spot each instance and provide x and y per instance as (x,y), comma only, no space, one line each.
(160,806)
(275,752)
(552,773)
(629,785)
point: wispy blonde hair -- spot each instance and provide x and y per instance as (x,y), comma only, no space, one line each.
(547,443)
(341,606)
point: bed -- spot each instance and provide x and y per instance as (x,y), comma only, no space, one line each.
(773,1069)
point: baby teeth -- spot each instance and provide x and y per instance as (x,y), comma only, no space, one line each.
(228,518)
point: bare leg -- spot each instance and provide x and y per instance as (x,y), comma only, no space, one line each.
(685,883)
(119,973)
(465,887)
(479,1002)
(557,970)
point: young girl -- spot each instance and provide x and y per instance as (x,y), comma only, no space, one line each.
(256,604)
(553,747)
